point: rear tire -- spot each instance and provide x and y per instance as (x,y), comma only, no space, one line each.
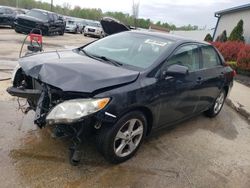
(61,32)
(217,106)
(17,31)
(121,141)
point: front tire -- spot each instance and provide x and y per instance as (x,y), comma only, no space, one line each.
(61,32)
(121,141)
(217,106)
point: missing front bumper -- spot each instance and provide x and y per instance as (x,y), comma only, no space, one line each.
(24,93)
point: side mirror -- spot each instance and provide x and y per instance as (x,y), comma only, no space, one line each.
(176,70)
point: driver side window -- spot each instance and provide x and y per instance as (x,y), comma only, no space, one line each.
(188,56)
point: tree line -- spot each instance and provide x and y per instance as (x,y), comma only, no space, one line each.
(92,13)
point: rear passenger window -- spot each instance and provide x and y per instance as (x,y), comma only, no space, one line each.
(9,11)
(55,17)
(210,57)
(188,56)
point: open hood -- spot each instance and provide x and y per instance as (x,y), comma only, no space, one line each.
(111,26)
(71,71)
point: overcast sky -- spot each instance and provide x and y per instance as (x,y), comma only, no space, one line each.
(178,12)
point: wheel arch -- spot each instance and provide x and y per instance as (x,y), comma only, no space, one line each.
(148,115)
(226,88)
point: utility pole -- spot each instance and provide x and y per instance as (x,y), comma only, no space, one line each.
(51,6)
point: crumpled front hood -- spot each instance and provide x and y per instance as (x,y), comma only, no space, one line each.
(71,71)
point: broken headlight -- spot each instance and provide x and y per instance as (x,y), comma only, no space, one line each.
(73,110)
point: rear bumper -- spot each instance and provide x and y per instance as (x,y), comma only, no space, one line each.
(24,93)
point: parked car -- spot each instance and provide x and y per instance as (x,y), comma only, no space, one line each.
(8,15)
(111,26)
(82,25)
(47,22)
(93,29)
(123,87)
(72,27)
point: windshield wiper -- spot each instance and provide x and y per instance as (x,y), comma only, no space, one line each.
(106,59)
(116,63)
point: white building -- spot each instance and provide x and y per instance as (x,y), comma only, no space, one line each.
(194,34)
(228,19)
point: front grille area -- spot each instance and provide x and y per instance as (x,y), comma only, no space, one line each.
(91,30)
(26,23)
(3,20)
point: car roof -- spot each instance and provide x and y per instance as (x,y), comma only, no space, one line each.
(2,6)
(168,36)
(41,10)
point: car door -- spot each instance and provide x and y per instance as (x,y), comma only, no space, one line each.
(179,93)
(57,22)
(210,78)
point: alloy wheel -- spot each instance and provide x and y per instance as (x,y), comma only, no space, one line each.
(128,137)
(219,102)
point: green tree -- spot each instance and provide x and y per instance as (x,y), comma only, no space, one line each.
(237,33)
(93,14)
(208,38)
(222,37)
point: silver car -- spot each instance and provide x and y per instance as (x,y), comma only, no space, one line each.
(94,29)
(72,27)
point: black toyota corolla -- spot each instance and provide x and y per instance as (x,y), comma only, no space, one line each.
(121,88)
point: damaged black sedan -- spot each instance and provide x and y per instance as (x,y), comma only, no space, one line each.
(122,87)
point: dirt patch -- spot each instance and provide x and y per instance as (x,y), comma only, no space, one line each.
(4,96)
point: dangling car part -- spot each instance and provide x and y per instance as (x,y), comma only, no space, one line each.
(122,87)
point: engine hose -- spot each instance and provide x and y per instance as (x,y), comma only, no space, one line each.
(20,53)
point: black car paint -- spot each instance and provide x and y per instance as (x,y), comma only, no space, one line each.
(165,99)
(25,23)
(8,18)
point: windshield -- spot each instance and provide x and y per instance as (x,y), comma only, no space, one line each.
(2,10)
(138,50)
(38,14)
(94,24)
(71,23)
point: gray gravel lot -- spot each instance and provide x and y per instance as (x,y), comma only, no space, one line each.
(201,152)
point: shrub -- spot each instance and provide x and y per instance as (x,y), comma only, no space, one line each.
(217,44)
(208,38)
(243,60)
(222,37)
(237,33)
(232,64)
(229,49)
